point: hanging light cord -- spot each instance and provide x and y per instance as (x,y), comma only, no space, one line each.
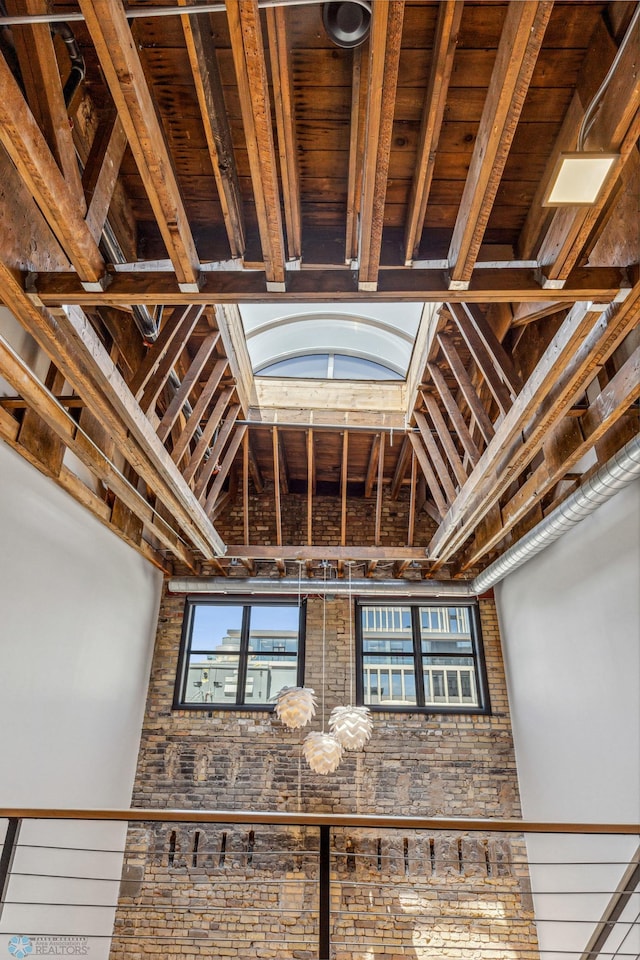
(590,116)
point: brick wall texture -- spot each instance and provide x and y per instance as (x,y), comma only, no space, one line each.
(252,892)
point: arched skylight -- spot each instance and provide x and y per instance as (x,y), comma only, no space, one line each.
(367,342)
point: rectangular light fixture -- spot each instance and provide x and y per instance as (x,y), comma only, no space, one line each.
(578,179)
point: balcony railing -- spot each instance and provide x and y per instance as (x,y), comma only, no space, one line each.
(248,884)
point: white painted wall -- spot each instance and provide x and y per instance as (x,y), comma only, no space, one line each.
(570,623)
(78,610)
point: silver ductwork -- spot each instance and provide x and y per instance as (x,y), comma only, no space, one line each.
(621,470)
(379,589)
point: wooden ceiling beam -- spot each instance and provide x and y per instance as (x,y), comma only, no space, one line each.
(486,360)
(404,458)
(70,342)
(379,491)
(225,466)
(453,411)
(429,475)
(43,86)
(467,389)
(118,54)
(73,485)
(436,457)
(324,551)
(372,465)
(520,44)
(251,73)
(563,447)
(100,176)
(286,126)
(444,45)
(208,431)
(311,484)
(254,468)
(148,395)
(175,331)
(344,474)
(517,285)
(585,340)
(22,139)
(245,487)
(357,133)
(200,407)
(445,438)
(189,380)
(384,61)
(276,483)
(211,466)
(413,496)
(208,83)
(524,313)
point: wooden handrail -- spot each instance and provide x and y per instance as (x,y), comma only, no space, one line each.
(353,820)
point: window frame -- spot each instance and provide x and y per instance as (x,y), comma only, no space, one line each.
(416,657)
(184,653)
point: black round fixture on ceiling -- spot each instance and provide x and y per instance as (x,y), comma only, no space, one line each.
(347,23)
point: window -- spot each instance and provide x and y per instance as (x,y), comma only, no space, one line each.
(417,657)
(237,654)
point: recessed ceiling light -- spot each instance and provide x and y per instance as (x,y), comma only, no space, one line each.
(578,179)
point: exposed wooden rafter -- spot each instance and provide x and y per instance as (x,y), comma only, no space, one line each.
(386,34)
(36,165)
(286,126)
(359,84)
(253,88)
(70,342)
(585,339)
(120,62)
(519,285)
(101,171)
(43,85)
(444,45)
(488,361)
(563,447)
(208,84)
(467,389)
(520,44)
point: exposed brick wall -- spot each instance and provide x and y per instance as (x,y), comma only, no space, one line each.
(440,894)
(326,517)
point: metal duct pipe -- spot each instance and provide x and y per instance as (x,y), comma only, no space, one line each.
(76,59)
(621,470)
(376,588)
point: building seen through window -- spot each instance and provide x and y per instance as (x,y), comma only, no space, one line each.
(238,654)
(422,657)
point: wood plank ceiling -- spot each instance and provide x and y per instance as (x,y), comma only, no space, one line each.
(157,172)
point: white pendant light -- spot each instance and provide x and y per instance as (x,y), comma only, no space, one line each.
(296,706)
(322,752)
(351,726)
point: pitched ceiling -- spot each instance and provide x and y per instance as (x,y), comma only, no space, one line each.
(240,156)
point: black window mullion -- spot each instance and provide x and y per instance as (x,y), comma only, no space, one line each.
(185,648)
(244,655)
(417,653)
(359,657)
